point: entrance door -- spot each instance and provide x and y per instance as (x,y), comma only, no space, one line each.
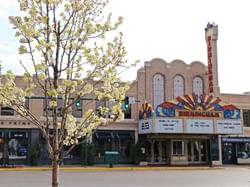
(197,151)
(229,153)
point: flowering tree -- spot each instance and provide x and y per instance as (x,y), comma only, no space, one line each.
(69,56)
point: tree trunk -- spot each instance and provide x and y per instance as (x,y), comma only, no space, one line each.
(55,173)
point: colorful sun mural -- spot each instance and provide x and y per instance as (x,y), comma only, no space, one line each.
(197,106)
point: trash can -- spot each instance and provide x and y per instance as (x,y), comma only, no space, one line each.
(111,157)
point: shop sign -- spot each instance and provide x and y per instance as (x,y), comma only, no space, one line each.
(145,126)
(229,126)
(209,114)
(236,139)
(18,135)
(14,123)
(210,65)
(199,126)
(169,125)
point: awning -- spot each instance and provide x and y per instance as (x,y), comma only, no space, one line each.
(104,135)
(124,135)
(236,139)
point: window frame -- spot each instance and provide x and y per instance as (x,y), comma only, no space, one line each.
(195,87)
(174,86)
(59,106)
(182,148)
(246,117)
(8,111)
(158,89)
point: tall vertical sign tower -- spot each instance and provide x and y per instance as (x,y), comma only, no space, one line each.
(211,32)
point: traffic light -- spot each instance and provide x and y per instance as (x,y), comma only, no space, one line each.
(126,103)
(127,108)
(78,104)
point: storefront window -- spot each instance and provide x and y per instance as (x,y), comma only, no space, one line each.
(113,141)
(243,150)
(44,151)
(1,147)
(18,145)
(178,147)
(75,153)
(103,145)
(124,147)
(17,148)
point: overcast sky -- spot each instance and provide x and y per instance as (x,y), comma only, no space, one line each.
(168,29)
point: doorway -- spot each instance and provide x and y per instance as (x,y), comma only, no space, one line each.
(197,151)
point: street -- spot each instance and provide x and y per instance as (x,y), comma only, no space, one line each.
(225,177)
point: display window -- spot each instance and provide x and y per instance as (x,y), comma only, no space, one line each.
(17,145)
(1,147)
(178,147)
(243,150)
(75,153)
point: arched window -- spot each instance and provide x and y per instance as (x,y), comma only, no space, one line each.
(178,86)
(198,86)
(158,89)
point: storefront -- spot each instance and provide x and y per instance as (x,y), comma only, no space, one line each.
(14,146)
(187,130)
(236,150)
(177,149)
(120,141)
(18,146)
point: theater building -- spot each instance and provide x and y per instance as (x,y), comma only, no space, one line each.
(185,119)
(174,111)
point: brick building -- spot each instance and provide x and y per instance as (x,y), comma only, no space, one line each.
(174,114)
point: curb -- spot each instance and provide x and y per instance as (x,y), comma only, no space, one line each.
(110,169)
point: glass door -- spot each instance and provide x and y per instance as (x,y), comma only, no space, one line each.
(197,151)
(229,153)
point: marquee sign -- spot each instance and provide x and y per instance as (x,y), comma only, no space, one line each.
(200,126)
(191,114)
(229,126)
(194,106)
(169,125)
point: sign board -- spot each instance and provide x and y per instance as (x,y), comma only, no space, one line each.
(236,139)
(199,126)
(229,126)
(169,125)
(145,126)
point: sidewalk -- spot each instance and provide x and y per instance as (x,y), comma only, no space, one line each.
(107,168)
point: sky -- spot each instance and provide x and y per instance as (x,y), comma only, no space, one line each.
(167,29)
